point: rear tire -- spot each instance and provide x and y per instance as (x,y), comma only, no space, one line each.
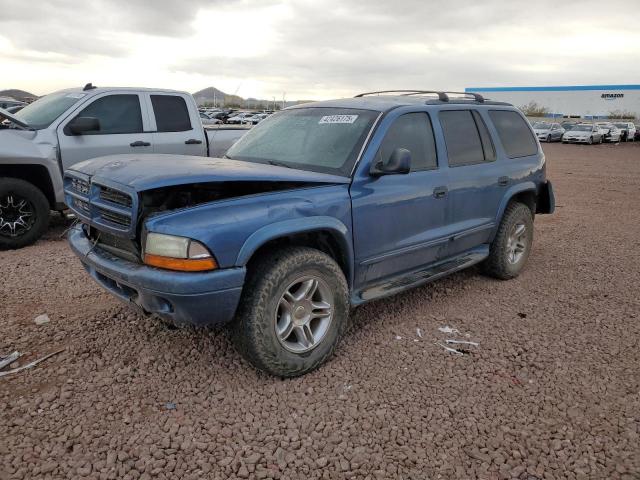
(512,244)
(292,313)
(24,213)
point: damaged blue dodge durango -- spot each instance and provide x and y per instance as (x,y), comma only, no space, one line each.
(319,208)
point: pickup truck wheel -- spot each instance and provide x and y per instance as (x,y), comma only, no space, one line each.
(293,312)
(24,213)
(512,244)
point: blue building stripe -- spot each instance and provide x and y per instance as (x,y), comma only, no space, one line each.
(566,88)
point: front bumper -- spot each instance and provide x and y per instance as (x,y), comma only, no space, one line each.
(203,298)
(576,140)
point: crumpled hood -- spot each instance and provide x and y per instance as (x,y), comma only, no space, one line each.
(149,171)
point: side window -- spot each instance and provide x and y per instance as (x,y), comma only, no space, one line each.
(116,114)
(487,144)
(462,138)
(414,132)
(516,137)
(172,114)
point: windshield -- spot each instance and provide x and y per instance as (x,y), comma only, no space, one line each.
(319,139)
(41,113)
(621,125)
(583,128)
(542,126)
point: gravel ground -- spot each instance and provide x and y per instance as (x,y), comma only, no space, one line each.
(552,391)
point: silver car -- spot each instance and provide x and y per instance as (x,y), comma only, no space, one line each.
(548,132)
(584,133)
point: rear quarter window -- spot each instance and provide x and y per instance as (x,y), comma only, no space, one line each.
(514,133)
(171,112)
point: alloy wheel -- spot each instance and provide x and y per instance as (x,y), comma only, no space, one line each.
(304,314)
(517,243)
(17,215)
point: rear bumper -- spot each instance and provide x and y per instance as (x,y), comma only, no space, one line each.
(204,298)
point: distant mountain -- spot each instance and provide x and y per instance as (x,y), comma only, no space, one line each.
(212,96)
(18,95)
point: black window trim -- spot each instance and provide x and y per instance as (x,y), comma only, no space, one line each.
(529,129)
(468,164)
(67,131)
(475,113)
(433,135)
(155,118)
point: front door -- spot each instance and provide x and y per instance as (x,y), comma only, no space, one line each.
(399,220)
(121,130)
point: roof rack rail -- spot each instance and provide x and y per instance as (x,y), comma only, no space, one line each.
(441,95)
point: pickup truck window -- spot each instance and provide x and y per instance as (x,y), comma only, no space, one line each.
(116,114)
(414,132)
(515,135)
(320,139)
(171,112)
(41,113)
(462,138)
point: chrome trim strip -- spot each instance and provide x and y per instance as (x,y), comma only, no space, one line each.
(366,143)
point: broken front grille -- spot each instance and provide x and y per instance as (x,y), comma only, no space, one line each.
(115,196)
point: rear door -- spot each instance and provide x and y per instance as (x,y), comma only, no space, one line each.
(399,221)
(476,181)
(176,128)
(123,123)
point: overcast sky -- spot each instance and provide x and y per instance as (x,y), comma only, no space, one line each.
(316,49)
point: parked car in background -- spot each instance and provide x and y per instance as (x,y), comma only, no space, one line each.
(64,128)
(208,119)
(610,132)
(239,118)
(588,133)
(637,134)
(628,130)
(255,119)
(317,209)
(568,125)
(548,132)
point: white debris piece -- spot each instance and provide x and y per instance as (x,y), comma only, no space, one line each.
(12,357)
(419,332)
(448,329)
(30,365)
(462,342)
(42,319)
(450,350)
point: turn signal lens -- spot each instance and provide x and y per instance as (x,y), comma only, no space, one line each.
(180,264)
(177,253)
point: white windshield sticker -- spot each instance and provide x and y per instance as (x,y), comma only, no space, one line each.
(76,95)
(338,119)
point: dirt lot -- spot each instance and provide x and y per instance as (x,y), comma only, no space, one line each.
(553,390)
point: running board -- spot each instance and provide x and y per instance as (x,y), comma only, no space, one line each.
(419,277)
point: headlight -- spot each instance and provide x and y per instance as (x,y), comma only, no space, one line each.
(177,253)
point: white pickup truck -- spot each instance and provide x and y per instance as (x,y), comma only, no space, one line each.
(45,138)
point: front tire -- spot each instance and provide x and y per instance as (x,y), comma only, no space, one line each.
(293,311)
(590,141)
(512,244)
(24,213)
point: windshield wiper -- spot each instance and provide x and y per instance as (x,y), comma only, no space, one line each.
(278,164)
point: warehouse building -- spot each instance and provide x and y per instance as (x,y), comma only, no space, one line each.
(587,101)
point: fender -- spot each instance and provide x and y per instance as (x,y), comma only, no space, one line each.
(299,225)
(509,194)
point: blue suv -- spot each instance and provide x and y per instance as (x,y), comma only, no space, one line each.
(319,208)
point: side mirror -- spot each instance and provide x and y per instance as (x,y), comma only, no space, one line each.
(81,125)
(399,162)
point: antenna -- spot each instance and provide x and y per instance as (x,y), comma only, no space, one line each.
(88,86)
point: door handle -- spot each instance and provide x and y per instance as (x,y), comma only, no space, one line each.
(503,181)
(440,192)
(140,143)
(193,141)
